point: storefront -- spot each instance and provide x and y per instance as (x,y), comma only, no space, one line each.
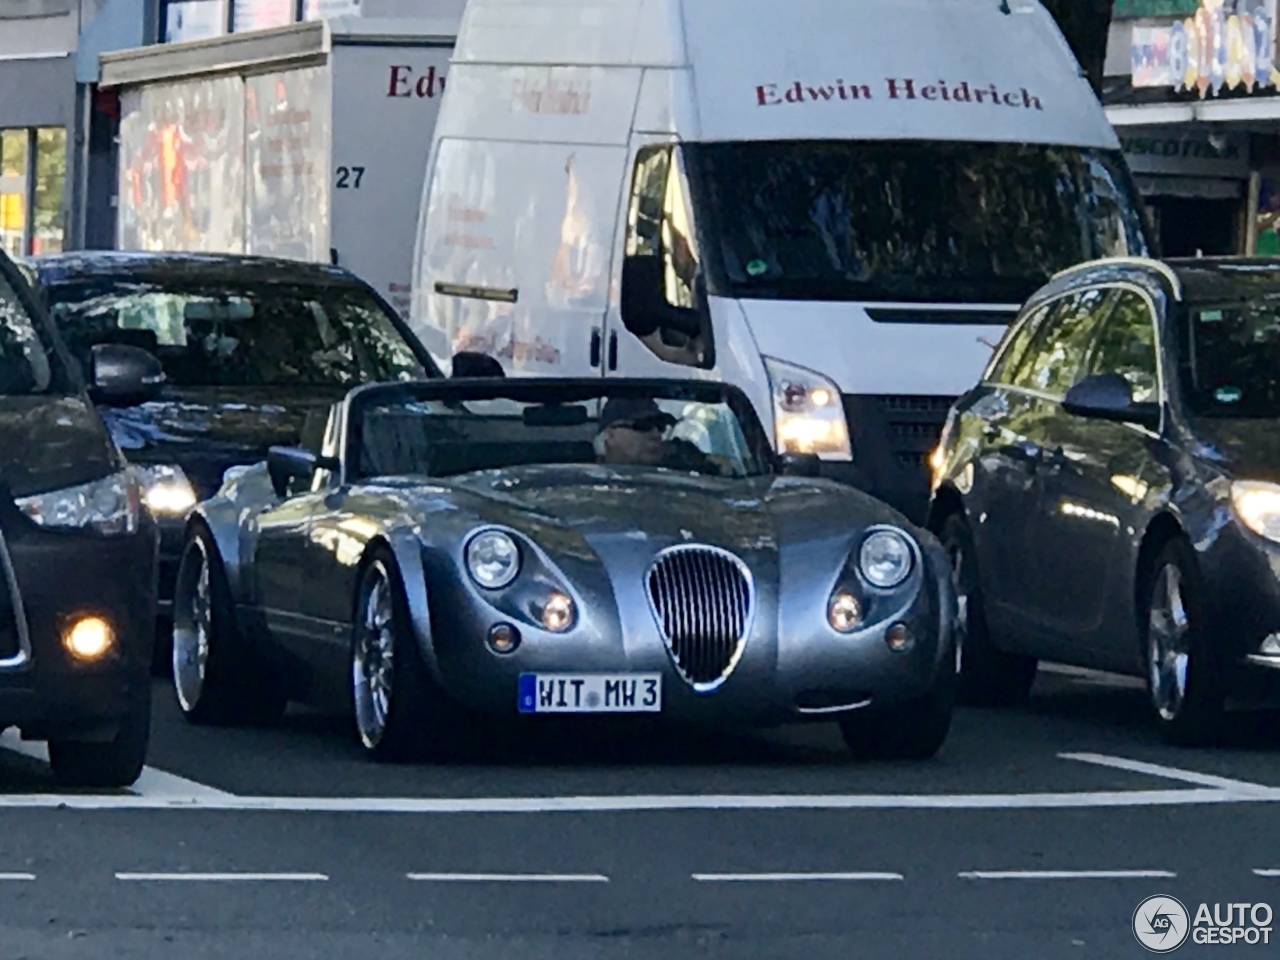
(1198,114)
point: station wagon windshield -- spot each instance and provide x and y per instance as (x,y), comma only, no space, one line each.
(441,435)
(1231,358)
(907,221)
(227,334)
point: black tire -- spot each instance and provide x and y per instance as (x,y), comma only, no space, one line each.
(113,763)
(162,656)
(414,723)
(988,677)
(235,688)
(913,730)
(1196,717)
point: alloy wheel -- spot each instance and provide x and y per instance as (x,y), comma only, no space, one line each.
(959,580)
(1168,643)
(192,634)
(373,657)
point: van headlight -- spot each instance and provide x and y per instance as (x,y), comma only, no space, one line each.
(168,492)
(1257,505)
(808,414)
(886,558)
(111,506)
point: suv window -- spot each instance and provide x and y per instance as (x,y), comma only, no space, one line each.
(1018,339)
(1127,345)
(27,364)
(1055,359)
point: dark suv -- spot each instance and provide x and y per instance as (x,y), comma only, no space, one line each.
(1110,491)
(77,553)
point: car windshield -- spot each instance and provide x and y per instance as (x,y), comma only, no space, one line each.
(1230,363)
(28,363)
(905,220)
(228,334)
(466,428)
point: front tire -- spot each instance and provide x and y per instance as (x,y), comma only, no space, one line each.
(1185,676)
(115,763)
(914,730)
(988,677)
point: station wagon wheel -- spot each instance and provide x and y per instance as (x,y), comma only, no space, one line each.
(989,677)
(395,705)
(1184,672)
(216,677)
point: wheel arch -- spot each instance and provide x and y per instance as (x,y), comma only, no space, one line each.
(1163,528)
(406,548)
(946,501)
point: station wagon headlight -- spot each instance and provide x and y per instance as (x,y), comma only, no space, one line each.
(885,559)
(1257,504)
(168,491)
(111,506)
(493,559)
(808,414)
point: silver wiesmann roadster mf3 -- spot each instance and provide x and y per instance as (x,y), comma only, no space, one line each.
(533,547)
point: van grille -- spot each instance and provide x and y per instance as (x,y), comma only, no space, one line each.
(914,425)
(703,598)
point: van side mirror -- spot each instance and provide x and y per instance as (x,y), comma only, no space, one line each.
(1108,396)
(123,376)
(285,464)
(644,307)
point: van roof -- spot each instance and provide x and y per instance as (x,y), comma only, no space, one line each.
(795,69)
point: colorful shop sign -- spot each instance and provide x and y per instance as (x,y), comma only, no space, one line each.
(1226,45)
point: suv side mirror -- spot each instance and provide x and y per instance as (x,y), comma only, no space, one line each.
(285,464)
(1108,396)
(643,306)
(800,465)
(123,376)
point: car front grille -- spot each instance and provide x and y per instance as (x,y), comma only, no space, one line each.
(702,597)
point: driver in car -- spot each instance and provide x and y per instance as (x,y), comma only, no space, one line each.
(632,432)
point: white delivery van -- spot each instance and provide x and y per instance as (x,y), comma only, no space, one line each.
(837,205)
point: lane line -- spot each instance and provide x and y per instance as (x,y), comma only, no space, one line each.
(222,877)
(151,783)
(1267,873)
(642,804)
(1169,773)
(1066,875)
(509,877)
(17,876)
(791,877)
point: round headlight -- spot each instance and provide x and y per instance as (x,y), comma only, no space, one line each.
(493,559)
(885,559)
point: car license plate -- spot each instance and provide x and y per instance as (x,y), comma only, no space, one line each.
(590,693)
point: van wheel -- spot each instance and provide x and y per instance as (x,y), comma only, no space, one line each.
(988,677)
(115,763)
(1185,677)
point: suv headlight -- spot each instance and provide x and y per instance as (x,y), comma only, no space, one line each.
(493,559)
(808,414)
(168,491)
(1257,505)
(885,559)
(111,506)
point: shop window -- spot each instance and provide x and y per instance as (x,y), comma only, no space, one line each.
(13,191)
(33,179)
(50,185)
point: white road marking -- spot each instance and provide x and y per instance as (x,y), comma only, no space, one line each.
(1267,873)
(152,782)
(223,877)
(1170,773)
(1066,875)
(641,804)
(17,876)
(509,877)
(790,877)
(1098,677)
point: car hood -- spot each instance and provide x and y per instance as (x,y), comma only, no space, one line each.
(1246,449)
(48,443)
(206,430)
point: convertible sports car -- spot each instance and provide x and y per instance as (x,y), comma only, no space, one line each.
(532,546)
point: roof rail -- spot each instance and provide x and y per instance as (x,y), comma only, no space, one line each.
(1158,265)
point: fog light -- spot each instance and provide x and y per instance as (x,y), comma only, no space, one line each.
(88,638)
(503,637)
(844,612)
(557,613)
(1271,646)
(899,638)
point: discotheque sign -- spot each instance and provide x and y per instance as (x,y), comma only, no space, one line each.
(1225,45)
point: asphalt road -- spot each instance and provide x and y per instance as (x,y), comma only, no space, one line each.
(1035,834)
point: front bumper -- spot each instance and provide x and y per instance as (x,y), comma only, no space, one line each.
(62,575)
(791,669)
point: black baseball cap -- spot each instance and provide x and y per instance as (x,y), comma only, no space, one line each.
(640,411)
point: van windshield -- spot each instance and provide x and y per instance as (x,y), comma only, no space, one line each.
(906,221)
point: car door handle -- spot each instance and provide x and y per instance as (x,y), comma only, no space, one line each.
(595,347)
(613,350)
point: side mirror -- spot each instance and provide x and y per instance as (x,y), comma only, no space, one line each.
(123,376)
(800,465)
(644,307)
(1108,396)
(285,464)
